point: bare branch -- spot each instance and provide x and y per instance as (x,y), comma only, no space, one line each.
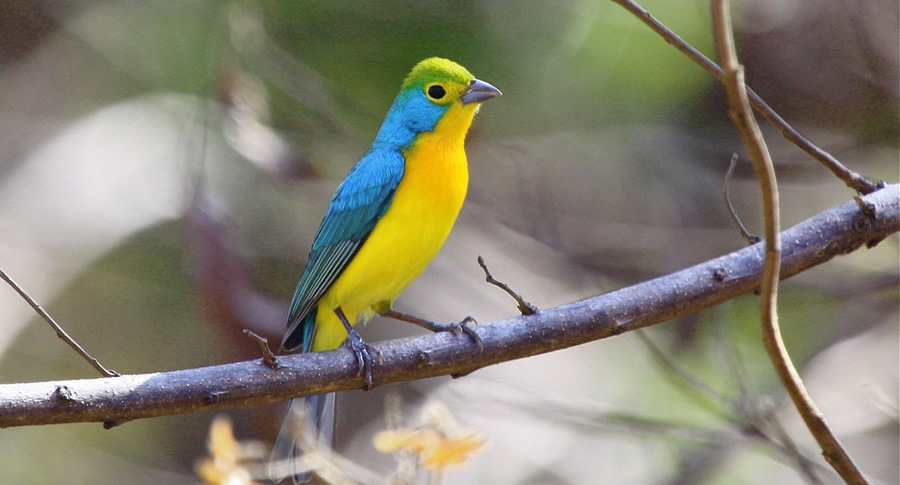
(834,232)
(743,118)
(525,308)
(851,178)
(56,327)
(268,357)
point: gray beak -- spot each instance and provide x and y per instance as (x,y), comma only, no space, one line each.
(479,91)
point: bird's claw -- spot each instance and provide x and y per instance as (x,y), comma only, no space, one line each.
(462,327)
(363,357)
(457,328)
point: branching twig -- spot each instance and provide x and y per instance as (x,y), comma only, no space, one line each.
(742,411)
(268,357)
(805,465)
(59,331)
(810,243)
(757,416)
(524,307)
(743,118)
(851,178)
(750,237)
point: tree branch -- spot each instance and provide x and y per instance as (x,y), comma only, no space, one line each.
(851,178)
(112,401)
(742,115)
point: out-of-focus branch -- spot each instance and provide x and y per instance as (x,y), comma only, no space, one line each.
(851,178)
(112,401)
(743,118)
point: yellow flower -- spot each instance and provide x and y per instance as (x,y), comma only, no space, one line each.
(439,443)
(223,466)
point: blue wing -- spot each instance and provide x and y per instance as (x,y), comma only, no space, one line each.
(357,205)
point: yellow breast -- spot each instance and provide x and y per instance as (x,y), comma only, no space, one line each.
(411,232)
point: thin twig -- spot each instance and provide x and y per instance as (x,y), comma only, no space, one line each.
(750,237)
(691,382)
(59,331)
(756,415)
(268,357)
(744,414)
(525,307)
(746,124)
(805,465)
(585,416)
(851,178)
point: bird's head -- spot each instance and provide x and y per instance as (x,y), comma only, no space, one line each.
(436,89)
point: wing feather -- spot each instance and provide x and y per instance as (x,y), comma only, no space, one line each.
(359,202)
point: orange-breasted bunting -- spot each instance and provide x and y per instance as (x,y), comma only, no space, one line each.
(386,222)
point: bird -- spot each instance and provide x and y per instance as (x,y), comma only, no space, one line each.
(387,220)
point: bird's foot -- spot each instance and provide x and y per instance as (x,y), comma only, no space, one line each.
(360,349)
(460,328)
(363,352)
(457,328)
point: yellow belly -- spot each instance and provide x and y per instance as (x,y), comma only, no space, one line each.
(404,241)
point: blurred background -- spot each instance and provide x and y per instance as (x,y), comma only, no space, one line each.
(164,167)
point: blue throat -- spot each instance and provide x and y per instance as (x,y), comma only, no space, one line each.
(412,113)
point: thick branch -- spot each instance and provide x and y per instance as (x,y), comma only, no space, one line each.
(115,400)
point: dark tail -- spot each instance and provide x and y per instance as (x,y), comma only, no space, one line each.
(309,422)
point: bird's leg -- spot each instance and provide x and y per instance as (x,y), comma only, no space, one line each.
(359,348)
(461,327)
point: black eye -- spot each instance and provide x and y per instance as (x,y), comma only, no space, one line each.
(436,91)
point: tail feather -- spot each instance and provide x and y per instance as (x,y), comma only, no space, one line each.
(308,425)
